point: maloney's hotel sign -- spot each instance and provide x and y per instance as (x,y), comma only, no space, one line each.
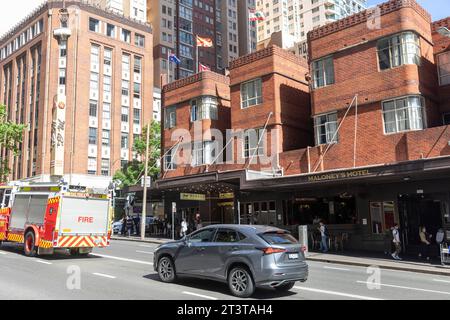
(338,175)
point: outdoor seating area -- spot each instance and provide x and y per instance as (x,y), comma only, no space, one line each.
(336,241)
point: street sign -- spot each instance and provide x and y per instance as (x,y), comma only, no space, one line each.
(149,182)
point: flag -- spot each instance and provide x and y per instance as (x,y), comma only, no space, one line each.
(173,58)
(202,67)
(255,15)
(204,42)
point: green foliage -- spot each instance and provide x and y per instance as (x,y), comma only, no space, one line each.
(134,170)
(11,135)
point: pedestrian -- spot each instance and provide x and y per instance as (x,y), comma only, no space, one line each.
(316,220)
(388,241)
(397,242)
(137,224)
(424,243)
(123,230)
(184,228)
(129,223)
(324,237)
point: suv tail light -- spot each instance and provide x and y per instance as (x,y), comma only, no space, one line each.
(271,250)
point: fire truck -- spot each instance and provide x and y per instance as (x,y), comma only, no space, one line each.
(44,217)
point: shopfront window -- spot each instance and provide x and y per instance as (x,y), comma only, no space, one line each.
(382,216)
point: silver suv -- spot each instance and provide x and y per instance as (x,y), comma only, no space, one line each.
(243,256)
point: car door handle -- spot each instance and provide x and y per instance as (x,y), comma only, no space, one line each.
(234,248)
(201,249)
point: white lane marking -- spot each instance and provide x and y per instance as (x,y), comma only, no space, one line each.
(121,259)
(103,275)
(439,280)
(199,295)
(335,268)
(403,287)
(2,252)
(342,294)
(43,262)
(146,252)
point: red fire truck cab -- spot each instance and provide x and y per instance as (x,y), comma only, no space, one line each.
(45,217)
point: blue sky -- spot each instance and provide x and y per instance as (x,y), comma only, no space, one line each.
(438,8)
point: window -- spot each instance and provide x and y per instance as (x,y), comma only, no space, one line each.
(94,81)
(137,90)
(95,54)
(94,25)
(107,58)
(92,108)
(226,235)
(444,68)
(170,117)
(62,77)
(125,88)
(105,167)
(137,116)
(382,216)
(203,152)
(403,114)
(92,165)
(63,49)
(251,93)
(204,108)
(279,238)
(106,111)
(126,62)
(325,127)
(93,136)
(323,72)
(139,40)
(206,235)
(125,115)
(169,160)
(107,84)
(124,141)
(137,65)
(125,35)
(111,30)
(398,50)
(106,138)
(251,139)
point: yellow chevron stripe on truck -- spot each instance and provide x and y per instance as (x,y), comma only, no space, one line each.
(15,237)
(2,236)
(44,244)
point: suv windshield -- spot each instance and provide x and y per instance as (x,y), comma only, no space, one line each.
(278,238)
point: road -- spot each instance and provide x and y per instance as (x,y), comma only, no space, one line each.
(125,271)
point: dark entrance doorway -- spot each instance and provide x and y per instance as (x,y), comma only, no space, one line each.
(416,211)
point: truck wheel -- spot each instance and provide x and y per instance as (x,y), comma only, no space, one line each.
(29,244)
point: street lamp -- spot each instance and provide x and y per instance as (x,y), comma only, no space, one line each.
(443,31)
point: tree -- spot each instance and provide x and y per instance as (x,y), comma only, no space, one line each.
(134,170)
(11,135)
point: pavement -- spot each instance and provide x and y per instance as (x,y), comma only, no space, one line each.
(125,271)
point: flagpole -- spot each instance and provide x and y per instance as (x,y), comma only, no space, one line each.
(168,65)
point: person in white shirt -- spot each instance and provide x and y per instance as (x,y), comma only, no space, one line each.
(184,228)
(397,242)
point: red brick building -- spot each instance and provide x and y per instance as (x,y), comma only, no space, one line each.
(362,133)
(81,78)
